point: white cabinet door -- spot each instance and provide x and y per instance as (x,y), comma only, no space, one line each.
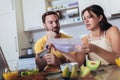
(103,3)
(8,36)
(32,11)
(115,6)
(8,31)
(6,6)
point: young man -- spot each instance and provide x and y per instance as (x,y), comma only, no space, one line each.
(53,58)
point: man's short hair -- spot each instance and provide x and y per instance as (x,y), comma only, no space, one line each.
(48,13)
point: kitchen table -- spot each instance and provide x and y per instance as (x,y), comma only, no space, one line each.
(105,72)
(109,72)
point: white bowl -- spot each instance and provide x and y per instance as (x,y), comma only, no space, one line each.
(70,65)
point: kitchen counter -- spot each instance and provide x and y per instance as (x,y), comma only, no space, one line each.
(27,56)
(27,61)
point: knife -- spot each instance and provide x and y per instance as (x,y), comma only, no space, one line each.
(43,53)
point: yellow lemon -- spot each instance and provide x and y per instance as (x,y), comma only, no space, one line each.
(117,60)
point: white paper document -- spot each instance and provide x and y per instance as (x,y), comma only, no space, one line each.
(66,44)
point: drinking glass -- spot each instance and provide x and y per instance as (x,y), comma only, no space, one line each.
(10,75)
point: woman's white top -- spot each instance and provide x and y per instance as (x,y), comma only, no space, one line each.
(103,43)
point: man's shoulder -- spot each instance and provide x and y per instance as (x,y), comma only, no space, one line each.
(42,39)
(63,35)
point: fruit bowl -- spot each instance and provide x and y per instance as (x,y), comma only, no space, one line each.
(70,65)
(69,70)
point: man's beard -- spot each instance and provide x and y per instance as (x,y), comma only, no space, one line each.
(54,30)
(57,32)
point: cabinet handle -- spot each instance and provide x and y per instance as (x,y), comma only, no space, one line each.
(16,45)
(13,6)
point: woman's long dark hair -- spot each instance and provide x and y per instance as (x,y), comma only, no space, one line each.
(104,25)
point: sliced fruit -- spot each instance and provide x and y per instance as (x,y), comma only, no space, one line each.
(92,65)
(74,72)
(30,72)
(66,72)
(84,71)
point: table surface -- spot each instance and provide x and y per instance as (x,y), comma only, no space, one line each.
(110,72)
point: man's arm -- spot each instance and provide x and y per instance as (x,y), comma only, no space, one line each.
(40,62)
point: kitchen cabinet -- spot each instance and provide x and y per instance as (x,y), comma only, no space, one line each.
(6,6)
(9,39)
(115,6)
(32,14)
(103,3)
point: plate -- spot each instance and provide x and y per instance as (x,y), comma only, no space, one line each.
(56,76)
(52,70)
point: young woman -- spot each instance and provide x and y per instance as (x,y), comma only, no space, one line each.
(103,41)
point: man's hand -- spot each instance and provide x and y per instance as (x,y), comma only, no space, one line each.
(51,59)
(40,62)
(51,34)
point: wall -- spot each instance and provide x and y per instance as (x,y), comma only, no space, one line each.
(23,37)
(75,30)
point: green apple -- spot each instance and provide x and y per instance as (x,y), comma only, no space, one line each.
(30,72)
(92,65)
(23,73)
(84,71)
(36,71)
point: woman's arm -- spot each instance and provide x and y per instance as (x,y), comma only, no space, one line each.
(113,36)
(108,56)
